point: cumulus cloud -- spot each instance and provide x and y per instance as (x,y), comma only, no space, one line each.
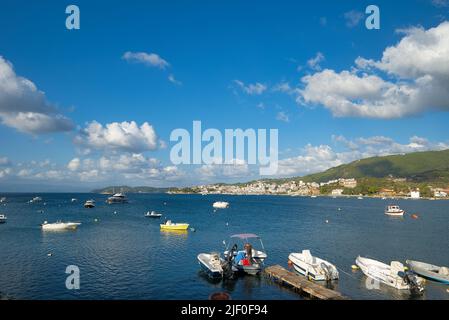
(4,161)
(124,136)
(418,80)
(24,107)
(173,80)
(149,59)
(74,164)
(252,88)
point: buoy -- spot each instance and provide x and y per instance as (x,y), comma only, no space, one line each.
(49,254)
(96,220)
(354,267)
(339,209)
(327,221)
(192,229)
(415,216)
(227,224)
(405,268)
(290,263)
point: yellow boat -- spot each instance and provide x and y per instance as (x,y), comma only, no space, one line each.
(174,226)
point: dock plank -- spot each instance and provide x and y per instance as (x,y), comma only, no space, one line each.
(283,276)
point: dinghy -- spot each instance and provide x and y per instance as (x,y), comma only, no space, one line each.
(153,214)
(313,267)
(429,271)
(393,275)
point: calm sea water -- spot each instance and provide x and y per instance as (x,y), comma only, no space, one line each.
(124,255)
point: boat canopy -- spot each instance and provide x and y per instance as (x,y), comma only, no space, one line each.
(245,236)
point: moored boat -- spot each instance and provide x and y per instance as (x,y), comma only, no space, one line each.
(393,275)
(248,260)
(117,198)
(89,204)
(212,264)
(394,210)
(220,205)
(313,267)
(60,226)
(429,271)
(3,218)
(153,214)
(169,225)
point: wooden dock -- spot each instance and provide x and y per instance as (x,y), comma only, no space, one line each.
(301,284)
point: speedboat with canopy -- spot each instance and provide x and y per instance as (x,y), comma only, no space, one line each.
(242,254)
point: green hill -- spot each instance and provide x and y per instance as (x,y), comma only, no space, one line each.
(430,166)
(126,189)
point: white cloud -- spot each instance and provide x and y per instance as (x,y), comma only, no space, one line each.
(353,18)
(282,116)
(24,107)
(4,161)
(418,67)
(125,136)
(149,59)
(238,168)
(251,89)
(74,164)
(314,63)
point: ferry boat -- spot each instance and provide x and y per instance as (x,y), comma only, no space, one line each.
(117,198)
(394,210)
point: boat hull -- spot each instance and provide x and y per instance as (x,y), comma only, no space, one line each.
(428,271)
(179,227)
(211,271)
(315,272)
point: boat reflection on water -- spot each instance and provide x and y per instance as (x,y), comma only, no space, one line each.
(382,291)
(168,232)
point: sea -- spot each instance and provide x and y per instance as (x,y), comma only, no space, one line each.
(121,254)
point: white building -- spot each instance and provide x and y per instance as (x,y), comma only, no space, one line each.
(337,192)
(414,194)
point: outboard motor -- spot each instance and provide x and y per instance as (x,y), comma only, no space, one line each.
(412,280)
(327,271)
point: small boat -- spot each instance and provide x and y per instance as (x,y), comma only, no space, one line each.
(313,197)
(89,204)
(394,210)
(3,218)
(117,198)
(153,214)
(36,199)
(169,225)
(313,267)
(246,260)
(360,198)
(212,264)
(429,271)
(60,226)
(74,200)
(2,199)
(221,205)
(393,275)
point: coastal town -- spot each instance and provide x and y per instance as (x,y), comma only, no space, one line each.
(335,188)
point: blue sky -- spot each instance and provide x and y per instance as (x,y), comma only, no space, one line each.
(214,52)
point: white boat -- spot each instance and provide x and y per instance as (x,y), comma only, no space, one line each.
(429,271)
(3,218)
(221,205)
(153,214)
(393,275)
(74,200)
(394,210)
(117,198)
(360,198)
(212,264)
(60,226)
(2,199)
(89,204)
(246,258)
(313,197)
(313,267)
(36,199)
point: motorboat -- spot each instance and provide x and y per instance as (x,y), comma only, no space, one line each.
(393,275)
(359,198)
(89,204)
(212,264)
(169,225)
(74,200)
(394,210)
(245,258)
(429,271)
(3,218)
(221,205)
(315,268)
(2,199)
(36,199)
(117,198)
(153,214)
(60,226)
